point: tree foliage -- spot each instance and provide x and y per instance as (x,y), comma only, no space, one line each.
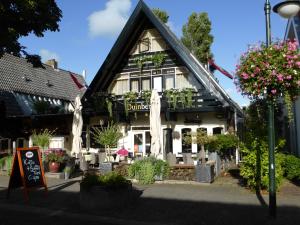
(196,36)
(22,17)
(161,14)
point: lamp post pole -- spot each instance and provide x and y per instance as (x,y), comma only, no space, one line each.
(271,133)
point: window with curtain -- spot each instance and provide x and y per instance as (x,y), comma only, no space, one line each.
(157,83)
(169,81)
(134,85)
(146,85)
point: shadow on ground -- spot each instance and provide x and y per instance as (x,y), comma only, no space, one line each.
(155,210)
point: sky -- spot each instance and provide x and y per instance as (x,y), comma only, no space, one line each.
(89,28)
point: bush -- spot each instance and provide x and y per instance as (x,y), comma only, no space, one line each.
(110,181)
(291,166)
(6,163)
(146,169)
(255,167)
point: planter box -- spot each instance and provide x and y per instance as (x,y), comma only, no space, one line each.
(97,198)
(105,167)
(205,173)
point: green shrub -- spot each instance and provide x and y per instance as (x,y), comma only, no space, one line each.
(6,161)
(255,167)
(146,169)
(291,166)
(111,181)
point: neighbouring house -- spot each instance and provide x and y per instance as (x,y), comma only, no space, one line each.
(292,129)
(146,56)
(35,98)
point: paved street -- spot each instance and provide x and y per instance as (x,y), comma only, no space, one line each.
(223,202)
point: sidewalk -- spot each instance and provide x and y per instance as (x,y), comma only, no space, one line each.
(223,202)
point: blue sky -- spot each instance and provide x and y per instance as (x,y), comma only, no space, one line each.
(89,29)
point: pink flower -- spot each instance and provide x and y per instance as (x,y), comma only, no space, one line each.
(245,76)
(280,77)
(298,82)
(289,77)
(273,91)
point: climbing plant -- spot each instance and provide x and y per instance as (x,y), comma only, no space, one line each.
(146,95)
(129,97)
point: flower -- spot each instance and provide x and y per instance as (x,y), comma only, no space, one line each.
(55,156)
(275,68)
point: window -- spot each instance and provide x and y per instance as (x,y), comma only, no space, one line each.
(186,148)
(217,130)
(146,84)
(157,83)
(203,130)
(120,87)
(134,85)
(169,81)
(144,45)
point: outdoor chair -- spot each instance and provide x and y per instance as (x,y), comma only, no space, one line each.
(187,159)
(94,160)
(171,159)
(101,157)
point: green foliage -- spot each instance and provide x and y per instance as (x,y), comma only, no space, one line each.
(146,169)
(255,167)
(161,14)
(146,95)
(172,97)
(109,106)
(110,181)
(7,161)
(42,139)
(107,136)
(54,157)
(129,97)
(196,36)
(158,59)
(25,17)
(291,166)
(223,142)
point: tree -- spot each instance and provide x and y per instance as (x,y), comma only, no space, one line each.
(22,17)
(161,14)
(196,36)
(107,136)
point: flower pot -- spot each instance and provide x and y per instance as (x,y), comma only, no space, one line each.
(54,167)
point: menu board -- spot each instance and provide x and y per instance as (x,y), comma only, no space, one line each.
(27,170)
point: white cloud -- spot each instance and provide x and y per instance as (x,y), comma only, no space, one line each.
(109,21)
(46,55)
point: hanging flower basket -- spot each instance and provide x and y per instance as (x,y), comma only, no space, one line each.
(270,72)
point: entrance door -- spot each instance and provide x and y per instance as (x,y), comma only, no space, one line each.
(138,143)
(142,142)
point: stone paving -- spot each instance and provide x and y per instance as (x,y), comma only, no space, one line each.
(169,202)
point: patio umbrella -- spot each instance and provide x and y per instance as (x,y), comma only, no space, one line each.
(77,127)
(122,152)
(155,123)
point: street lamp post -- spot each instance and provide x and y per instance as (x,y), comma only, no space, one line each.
(285,9)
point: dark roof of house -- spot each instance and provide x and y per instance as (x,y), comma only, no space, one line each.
(19,76)
(143,15)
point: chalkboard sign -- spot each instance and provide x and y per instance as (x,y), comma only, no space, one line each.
(27,170)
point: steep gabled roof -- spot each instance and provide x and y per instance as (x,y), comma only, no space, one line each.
(19,76)
(140,16)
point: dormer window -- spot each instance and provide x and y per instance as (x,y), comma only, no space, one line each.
(144,45)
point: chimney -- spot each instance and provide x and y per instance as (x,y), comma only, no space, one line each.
(52,63)
(84,74)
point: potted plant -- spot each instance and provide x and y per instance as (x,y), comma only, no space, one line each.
(42,139)
(106,191)
(270,72)
(107,136)
(54,159)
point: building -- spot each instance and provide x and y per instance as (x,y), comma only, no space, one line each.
(36,98)
(146,56)
(292,130)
